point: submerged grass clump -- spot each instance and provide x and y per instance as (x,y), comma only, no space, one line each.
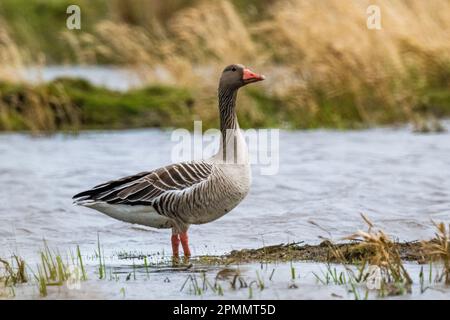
(372,259)
(81,265)
(14,271)
(199,287)
(388,270)
(372,264)
(51,270)
(439,249)
(331,276)
(101,260)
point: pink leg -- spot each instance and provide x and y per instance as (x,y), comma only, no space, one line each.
(185,244)
(175,245)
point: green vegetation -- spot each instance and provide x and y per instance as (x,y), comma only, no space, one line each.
(67,104)
(372,259)
(73,104)
(371,262)
(332,74)
(38,24)
(51,270)
(81,265)
(14,271)
(439,250)
(101,262)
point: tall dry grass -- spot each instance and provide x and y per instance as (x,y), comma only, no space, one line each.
(146,12)
(207,35)
(10,63)
(317,54)
(385,255)
(11,59)
(439,249)
(189,50)
(327,46)
(24,106)
(324,67)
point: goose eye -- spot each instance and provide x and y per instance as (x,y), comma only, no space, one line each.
(233,69)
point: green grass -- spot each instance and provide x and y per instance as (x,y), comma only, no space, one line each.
(25,17)
(101,261)
(81,265)
(37,24)
(41,282)
(345,98)
(194,287)
(74,104)
(68,104)
(15,271)
(53,270)
(292,272)
(331,276)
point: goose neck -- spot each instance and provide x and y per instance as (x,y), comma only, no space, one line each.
(232,144)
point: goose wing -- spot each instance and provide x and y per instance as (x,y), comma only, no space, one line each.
(144,187)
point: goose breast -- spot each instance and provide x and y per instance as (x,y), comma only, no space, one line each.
(209,200)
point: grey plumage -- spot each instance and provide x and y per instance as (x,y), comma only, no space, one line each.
(185,193)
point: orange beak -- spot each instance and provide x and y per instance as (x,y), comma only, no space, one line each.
(249,76)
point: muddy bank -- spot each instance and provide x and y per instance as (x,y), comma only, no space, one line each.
(352,252)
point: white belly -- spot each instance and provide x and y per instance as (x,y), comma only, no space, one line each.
(144,215)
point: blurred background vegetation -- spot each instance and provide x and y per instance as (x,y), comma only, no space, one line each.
(324,67)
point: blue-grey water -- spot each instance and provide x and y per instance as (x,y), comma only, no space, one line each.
(326,178)
(399,179)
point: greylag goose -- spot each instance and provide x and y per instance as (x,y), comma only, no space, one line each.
(195,192)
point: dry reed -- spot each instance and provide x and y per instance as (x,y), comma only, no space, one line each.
(14,271)
(324,66)
(384,254)
(319,54)
(10,55)
(439,249)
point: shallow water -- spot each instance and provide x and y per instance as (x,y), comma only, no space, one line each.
(255,281)
(113,78)
(401,180)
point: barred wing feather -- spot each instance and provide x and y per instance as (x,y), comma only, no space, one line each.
(143,188)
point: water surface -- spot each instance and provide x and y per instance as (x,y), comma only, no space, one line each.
(401,180)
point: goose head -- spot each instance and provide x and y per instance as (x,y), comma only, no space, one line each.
(235,76)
